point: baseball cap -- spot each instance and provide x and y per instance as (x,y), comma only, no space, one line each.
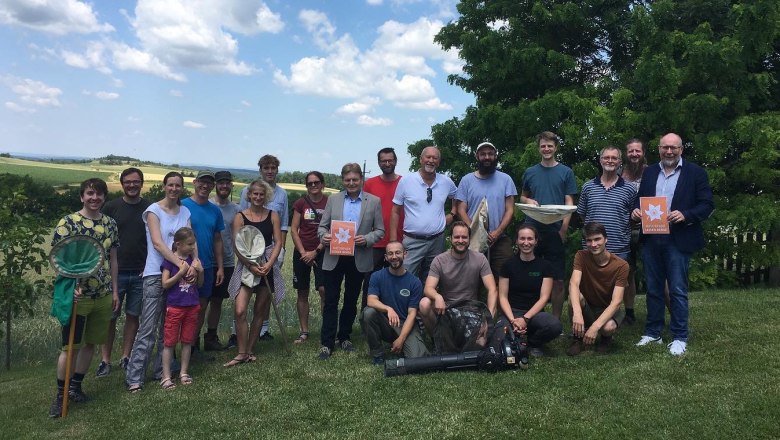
(486,145)
(223,175)
(204,173)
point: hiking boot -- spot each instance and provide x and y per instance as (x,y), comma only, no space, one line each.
(324,353)
(103,369)
(123,363)
(267,336)
(347,346)
(55,410)
(232,342)
(628,320)
(649,340)
(677,347)
(211,343)
(75,395)
(604,344)
(536,351)
(575,348)
(378,361)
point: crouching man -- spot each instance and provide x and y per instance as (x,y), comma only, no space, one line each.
(596,292)
(393,298)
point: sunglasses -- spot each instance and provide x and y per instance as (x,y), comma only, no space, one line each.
(314,183)
(430,195)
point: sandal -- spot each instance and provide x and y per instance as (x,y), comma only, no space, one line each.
(301,338)
(250,357)
(134,388)
(239,359)
(185,379)
(167,384)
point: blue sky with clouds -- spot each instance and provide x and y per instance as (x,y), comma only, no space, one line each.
(221,82)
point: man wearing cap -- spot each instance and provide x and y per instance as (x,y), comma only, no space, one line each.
(500,191)
(269,169)
(207,223)
(224,186)
(421,197)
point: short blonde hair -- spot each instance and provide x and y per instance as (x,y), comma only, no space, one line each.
(263,184)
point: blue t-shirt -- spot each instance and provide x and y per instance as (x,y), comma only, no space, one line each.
(549,186)
(206,220)
(399,293)
(496,188)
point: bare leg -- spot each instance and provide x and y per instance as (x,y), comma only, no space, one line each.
(262,300)
(186,352)
(128,335)
(557,298)
(167,356)
(303,310)
(215,311)
(242,303)
(105,349)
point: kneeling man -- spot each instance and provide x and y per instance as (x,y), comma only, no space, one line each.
(596,291)
(393,297)
(456,275)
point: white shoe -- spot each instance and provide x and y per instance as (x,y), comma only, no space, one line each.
(649,340)
(677,348)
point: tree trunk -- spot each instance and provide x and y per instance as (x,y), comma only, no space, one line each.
(774,271)
(8,340)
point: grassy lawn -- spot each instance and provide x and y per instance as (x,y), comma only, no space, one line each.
(726,386)
(52,175)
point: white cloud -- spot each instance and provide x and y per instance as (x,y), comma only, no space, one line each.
(374,2)
(18,108)
(129,58)
(133,119)
(57,17)
(175,93)
(395,68)
(246,103)
(94,57)
(32,92)
(107,96)
(364,105)
(371,121)
(192,124)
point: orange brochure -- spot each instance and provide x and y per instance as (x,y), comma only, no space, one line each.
(654,215)
(342,237)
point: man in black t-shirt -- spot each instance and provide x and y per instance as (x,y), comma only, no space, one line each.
(126,211)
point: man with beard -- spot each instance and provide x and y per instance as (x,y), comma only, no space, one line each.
(609,200)
(551,183)
(229,210)
(421,197)
(393,297)
(456,275)
(269,169)
(500,191)
(632,173)
(667,257)
(383,186)
(208,225)
(126,211)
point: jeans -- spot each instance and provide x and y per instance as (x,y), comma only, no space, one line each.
(149,331)
(331,319)
(663,262)
(131,293)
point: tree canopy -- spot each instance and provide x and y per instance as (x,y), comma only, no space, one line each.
(599,72)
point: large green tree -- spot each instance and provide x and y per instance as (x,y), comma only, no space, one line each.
(601,72)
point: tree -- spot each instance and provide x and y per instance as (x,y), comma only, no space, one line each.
(599,72)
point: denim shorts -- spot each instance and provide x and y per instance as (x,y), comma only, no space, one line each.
(131,293)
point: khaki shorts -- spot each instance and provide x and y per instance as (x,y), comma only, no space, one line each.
(92,319)
(591,314)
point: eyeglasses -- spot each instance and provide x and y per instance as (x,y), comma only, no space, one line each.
(610,158)
(132,182)
(430,195)
(388,161)
(669,147)
(313,183)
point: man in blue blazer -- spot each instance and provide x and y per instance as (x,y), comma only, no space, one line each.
(365,210)
(667,258)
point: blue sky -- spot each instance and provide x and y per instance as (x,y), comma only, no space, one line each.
(221,82)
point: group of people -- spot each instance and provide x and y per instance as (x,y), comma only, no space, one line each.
(185,252)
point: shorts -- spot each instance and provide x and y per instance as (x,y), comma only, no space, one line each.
(591,314)
(93,317)
(302,272)
(204,291)
(181,325)
(131,293)
(221,291)
(551,248)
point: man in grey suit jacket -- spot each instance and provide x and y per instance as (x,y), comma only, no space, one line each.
(365,210)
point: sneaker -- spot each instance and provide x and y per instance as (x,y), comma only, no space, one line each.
(536,351)
(604,344)
(232,342)
(123,363)
(75,395)
(212,344)
(677,347)
(55,410)
(103,369)
(267,336)
(649,340)
(347,346)
(378,360)
(324,353)
(575,348)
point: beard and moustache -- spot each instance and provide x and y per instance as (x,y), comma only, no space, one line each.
(488,167)
(635,168)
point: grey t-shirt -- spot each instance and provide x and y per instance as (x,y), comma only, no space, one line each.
(229,211)
(459,279)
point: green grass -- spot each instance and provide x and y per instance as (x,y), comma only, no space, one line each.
(51,175)
(726,386)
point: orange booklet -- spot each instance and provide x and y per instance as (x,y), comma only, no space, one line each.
(654,215)
(342,237)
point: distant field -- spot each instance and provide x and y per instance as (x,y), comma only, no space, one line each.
(53,176)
